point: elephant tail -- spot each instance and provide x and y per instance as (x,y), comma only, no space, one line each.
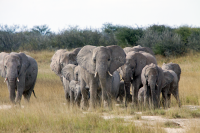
(34,94)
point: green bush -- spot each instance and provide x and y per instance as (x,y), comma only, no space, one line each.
(167,43)
(194,40)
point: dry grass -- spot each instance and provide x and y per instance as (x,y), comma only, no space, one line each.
(50,113)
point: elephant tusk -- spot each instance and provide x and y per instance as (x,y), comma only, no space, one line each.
(5,79)
(110,73)
(95,74)
(17,79)
(157,85)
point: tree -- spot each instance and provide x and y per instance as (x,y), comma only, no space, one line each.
(42,30)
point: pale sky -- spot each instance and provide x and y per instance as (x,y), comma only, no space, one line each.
(59,14)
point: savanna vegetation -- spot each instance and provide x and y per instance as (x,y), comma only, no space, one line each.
(164,40)
(49,112)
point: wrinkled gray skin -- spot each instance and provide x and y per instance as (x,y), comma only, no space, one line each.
(96,64)
(59,60)
(169,89)
(141,95)
(20,73)
(75,92)
(174,67)
(131,72)
(115,85)
(153,80)
(69,73)
(121,93)
(138,48)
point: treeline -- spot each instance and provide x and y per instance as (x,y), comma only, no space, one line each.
(162,39)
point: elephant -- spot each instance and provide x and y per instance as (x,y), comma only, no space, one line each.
(20,73)
(138,48)
(174,67)
(97,65)
(69,73)
(141,95)
(75,92)
(59,60)
(131,72)
(153,80)
(169,89)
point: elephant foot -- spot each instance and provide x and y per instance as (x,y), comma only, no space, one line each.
(91,109)
(84,105)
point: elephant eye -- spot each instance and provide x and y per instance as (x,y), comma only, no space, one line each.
(94,60)
(108,59)
(5,67)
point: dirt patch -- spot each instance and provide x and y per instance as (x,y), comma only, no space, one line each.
(8,107)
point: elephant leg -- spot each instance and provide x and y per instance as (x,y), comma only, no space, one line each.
(169,100)
(71,98)
(93,95)
(19,95)
(135,89)
(20,89)
(27,94)
(176,95)
(146,95)
(66,90)
(164,99)
(84,100)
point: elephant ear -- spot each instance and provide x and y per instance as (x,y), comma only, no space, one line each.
(167,79)
(55,61)
(2,68)
(84,58)
(143,73)
(141,62)
(24,63)
(118,57)
(68,72)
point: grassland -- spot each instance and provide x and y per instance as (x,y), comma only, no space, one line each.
(50,113)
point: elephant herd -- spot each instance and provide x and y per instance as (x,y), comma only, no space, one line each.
(93,76)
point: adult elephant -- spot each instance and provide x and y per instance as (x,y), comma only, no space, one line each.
(153,80)
(59,60)
(20,73)
(131,72)
(97,65)
(138,48)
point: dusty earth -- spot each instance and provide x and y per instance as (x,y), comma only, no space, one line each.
(178,125)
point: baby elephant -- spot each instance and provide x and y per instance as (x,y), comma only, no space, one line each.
(174,67)
(141,95)
(75,92)
(169,89)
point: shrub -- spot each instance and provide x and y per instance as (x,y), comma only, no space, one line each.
(194,40)
(167,43)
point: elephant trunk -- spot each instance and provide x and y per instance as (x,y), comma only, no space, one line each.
(11,88)
(153,95)
(102,79)
(105,79)
(126,91)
